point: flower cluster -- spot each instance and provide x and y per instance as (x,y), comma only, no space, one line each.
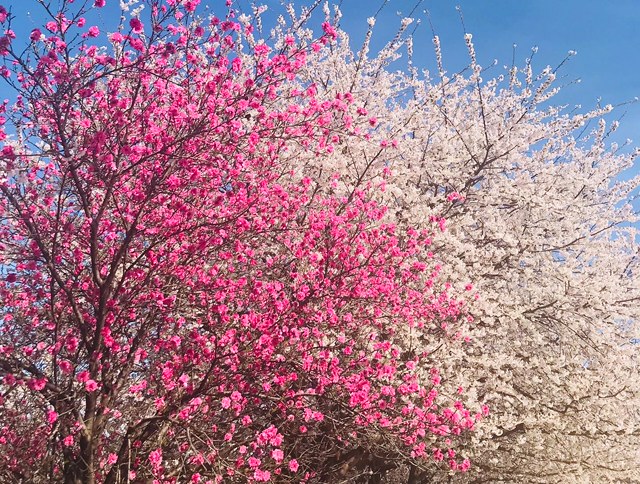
(179,304)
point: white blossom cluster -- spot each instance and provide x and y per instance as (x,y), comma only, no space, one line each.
(539,221)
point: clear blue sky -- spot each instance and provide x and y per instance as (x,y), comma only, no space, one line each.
(604,33)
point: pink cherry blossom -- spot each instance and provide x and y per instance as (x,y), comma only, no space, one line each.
(35,35)
(91,385)
(136,25)
(185,298)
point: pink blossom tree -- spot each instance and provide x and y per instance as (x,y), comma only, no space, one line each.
(178,303)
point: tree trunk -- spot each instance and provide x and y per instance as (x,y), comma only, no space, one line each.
(81,469)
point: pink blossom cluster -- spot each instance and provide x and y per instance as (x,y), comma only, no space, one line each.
(180,305)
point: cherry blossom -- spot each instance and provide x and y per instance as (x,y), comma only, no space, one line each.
(539,228)
(179,302)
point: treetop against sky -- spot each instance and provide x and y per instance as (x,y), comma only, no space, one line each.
(604,34)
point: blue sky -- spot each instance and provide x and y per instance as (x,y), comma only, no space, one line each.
(604,33)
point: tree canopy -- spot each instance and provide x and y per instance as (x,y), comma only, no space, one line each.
(230,254)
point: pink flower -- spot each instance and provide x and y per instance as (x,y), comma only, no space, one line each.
(99,3)
(197,459)
(9,380)
(155,457)
(293,465)
(329,30)
(9,153)
(81,21)
(184,379)
(277,455)
(137,44)
(261,50)
(65,366)
(52,416)
(3,14)
(190,5)
(71,344)
(68,441)
(91,385)
(437,454)
(37,384)
(261,476)
(117,37)
(93,31)
(112,459)
(136,25)
(236,64)
(36,34)
(51,26)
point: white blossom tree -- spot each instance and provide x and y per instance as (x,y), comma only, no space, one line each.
(539,217)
